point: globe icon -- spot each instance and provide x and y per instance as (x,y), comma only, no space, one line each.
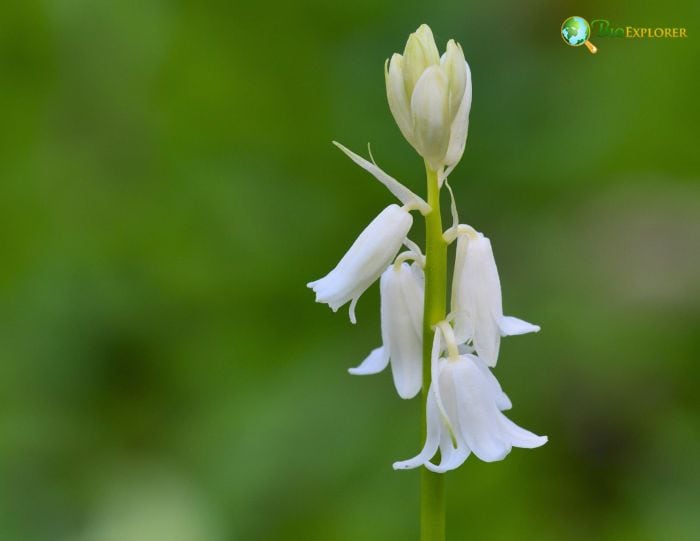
(575,31)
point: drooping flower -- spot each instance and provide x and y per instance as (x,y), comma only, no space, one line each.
(464,414)
(401,290)
(476,305)
(430,97)
(365,261)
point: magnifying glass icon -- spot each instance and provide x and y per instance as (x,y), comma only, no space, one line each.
(575,32)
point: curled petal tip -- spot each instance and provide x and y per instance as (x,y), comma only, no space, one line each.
(351,311)
(406,464)
(375,362)
(407,394)
(513,326)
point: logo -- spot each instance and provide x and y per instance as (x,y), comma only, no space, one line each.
(575,32)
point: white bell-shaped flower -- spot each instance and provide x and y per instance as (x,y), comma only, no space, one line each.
(430,97)
(401,289)
(365,261)
(464,415)
(476,305)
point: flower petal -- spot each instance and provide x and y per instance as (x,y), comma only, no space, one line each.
(432,439)
(463,327)
(412,291)
(502,400)
(436,365)
(512,326)
(430,113)
(476,297)
(420,53)
(477,412)
(519,437)
(401,307)
(459,127)
(451,457)
(351,309)
(397,96)
(456,69)
(375,362)
(466,348)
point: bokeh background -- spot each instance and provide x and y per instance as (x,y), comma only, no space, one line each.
(168,187)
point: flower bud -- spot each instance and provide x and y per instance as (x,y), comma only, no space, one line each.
(430,97)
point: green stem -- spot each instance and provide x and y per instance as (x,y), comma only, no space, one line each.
(432,484)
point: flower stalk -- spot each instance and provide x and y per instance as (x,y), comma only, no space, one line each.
(432,484)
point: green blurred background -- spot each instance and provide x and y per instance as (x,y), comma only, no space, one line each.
(168,187)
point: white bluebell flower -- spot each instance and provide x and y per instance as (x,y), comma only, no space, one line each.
(401,289)
(477,306)
(365,261)
(464,413)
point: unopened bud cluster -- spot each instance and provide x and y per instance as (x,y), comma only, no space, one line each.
(430,97)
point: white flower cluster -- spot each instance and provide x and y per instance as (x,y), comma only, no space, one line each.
(430,98)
